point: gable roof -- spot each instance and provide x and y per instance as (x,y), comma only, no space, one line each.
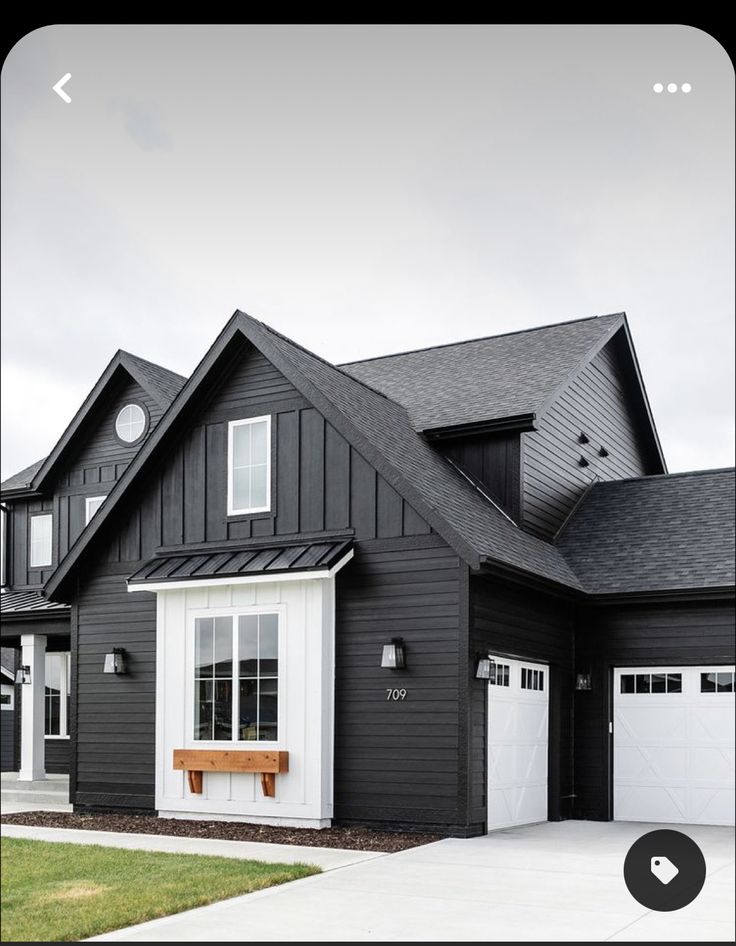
(163,386)
(380,429)
(654,533)
(486,379)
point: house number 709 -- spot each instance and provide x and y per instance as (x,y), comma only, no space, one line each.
(395,694)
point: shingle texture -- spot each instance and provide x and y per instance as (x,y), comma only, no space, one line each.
(486,379)
(386,426)
(168,383)
(656,533)
(12,602)
(23,478)
(274,560)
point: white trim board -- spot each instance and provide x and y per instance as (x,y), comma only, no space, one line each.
(273,577)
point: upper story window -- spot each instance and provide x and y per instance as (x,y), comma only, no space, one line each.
(249,466)
(41,541)
(91,505)
(130,424)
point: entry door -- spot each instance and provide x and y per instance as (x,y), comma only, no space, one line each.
(518,725)
(673,745)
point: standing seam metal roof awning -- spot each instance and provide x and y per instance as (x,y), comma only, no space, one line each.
(275,560)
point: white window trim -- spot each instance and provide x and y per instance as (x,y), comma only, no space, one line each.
(64,693)
(252,744)
(139,407)
(231,510)
(87,502)
(31,562)
(7,689)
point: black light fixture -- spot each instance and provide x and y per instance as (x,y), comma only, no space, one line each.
(584,680)
(583,438)
(23,674)
(582,461)
(484,667)
(603,452)
(394,654)
(115,661)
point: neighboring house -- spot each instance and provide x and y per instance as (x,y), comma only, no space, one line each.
(450,589)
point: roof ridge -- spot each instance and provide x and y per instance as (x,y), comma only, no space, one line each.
(153,364)
(482,338)
(666,476)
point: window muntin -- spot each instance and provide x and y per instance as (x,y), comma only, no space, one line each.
(41,541)
(91,505)
(236,678)
(640,683)
(500,675)
(718,681)
(249,466)
(130,424)
(56,694)
(532,679)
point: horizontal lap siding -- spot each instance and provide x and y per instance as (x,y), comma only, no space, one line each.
(115,714)
(596,404)
(398,762)
(57,753)
(524,624)
(631,635)
(494,460)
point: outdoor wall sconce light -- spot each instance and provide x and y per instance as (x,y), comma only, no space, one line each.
(23,674)
(583,438)
(115,662)
(603,452)
(394,654)
(582,461)
(483,668)
(584,681)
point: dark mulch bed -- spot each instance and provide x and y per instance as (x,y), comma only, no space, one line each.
(355,839)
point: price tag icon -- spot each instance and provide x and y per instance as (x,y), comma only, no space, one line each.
(663,869)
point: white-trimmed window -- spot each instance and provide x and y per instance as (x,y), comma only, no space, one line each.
(236,678)
(249,466)
(7,696)
(91,505)
(56,695)
(130,424)
(41,544)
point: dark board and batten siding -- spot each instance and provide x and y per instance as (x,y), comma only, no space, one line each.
(662,634)
(320,483)
(520,623)
(495,461)
(399,762)
(92,471)
(596,404)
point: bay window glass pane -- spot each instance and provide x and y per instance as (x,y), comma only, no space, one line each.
(203,647)
(268,655)
(213,668)
(248,645)
(267,708)
(223,711)
(248,728)
(203,709)
(224,647)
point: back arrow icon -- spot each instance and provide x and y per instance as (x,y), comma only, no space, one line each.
(58,88)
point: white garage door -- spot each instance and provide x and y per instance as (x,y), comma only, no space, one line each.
(518,723)
(673,738)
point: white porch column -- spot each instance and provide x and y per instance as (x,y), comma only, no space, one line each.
(32,762)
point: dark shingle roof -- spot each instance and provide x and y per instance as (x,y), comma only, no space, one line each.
(24,478)
(169,383)
(12,602)
(656,533)
(385,424)
(486,378)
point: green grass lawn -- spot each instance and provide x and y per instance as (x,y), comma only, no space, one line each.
(72,891)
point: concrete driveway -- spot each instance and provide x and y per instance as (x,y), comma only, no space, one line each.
(542,882)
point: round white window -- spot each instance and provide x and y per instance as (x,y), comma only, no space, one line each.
(130,423)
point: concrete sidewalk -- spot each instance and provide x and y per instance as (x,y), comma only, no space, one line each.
(546,882)
(325,857)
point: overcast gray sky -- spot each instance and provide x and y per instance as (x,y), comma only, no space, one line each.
(365,190)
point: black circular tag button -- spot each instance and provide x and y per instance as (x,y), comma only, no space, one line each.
(664,870)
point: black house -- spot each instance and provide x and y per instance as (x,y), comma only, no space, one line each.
(452,588)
